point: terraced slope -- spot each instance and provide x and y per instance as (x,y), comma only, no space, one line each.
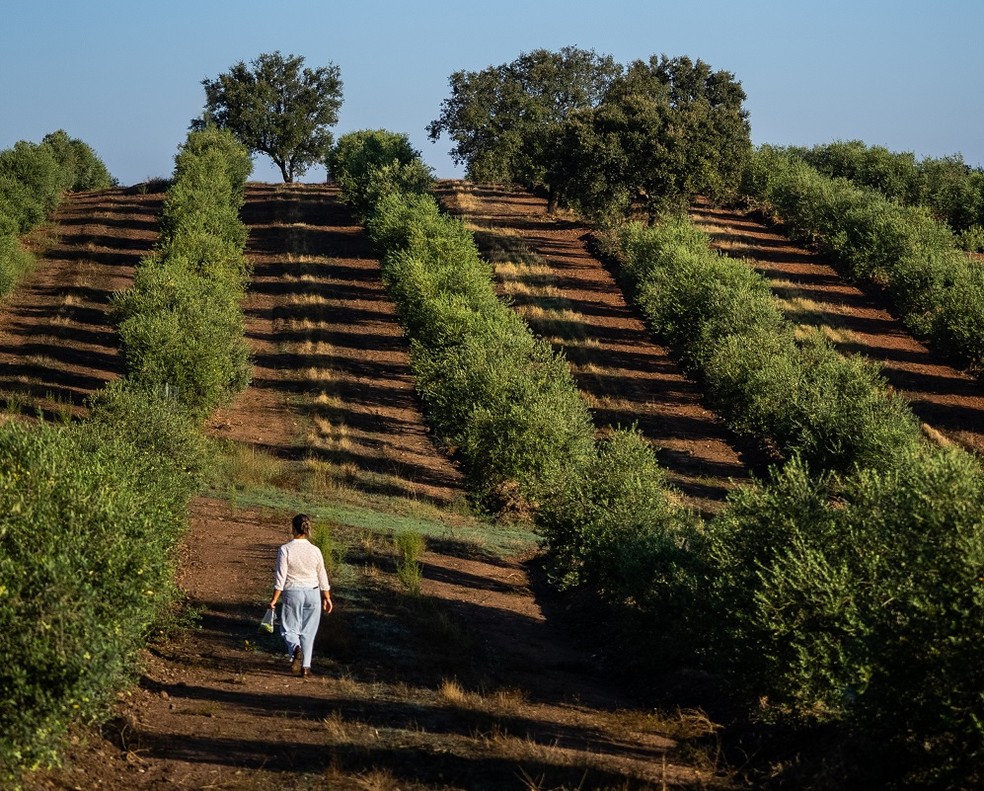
(469,685)
(950,402)
(57,341)
(544,268)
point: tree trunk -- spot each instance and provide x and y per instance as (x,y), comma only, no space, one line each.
(553,198)
(288,177)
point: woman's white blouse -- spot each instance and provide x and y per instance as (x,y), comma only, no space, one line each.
(300,564)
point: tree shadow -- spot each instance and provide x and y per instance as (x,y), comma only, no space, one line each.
(336,341)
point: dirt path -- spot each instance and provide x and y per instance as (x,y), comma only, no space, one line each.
(814,294)
(468,686)
(626,377)
(57,342)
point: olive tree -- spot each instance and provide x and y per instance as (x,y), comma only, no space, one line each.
(277,107)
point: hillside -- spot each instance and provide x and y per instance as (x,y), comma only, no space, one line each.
(949,401)
(488,678)
(57,342)
(484,680)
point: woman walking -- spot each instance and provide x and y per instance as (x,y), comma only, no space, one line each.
(301,577)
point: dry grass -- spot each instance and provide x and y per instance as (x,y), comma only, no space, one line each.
(245,465)
(499,702)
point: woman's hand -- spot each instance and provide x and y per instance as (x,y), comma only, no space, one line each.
(326,604)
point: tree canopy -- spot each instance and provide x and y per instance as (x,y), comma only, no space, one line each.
(372,162)
(506,121)
(278,107)
(598,135)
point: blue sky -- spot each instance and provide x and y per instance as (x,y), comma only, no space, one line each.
(125,75)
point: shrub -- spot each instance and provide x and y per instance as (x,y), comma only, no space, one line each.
(902,248)
(19,203)
(15,261)
(832,410)
(106,516)
(615,526)
(798,397)
(369,164)
(217,146)
(946,186)
(323,537)
(36,168)
(158,426)
(858,600)
(508,406)
(211,257)
(201,200)
(183,333)
(410,546)
(82,169)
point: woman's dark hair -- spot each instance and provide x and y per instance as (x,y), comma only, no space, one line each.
(301,525)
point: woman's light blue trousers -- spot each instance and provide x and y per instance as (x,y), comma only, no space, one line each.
(299,618)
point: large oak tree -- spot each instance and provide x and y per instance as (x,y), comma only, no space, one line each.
(668,129)
(278,107)
(507,122)
(597,135)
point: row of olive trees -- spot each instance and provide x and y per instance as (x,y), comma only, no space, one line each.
(498,397)
(847,588)
(181,323)
(596,135)
(33,179)
(937,291)
(949,187)
(800,398)
(109,496)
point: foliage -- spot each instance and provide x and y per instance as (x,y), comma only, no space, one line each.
(85,570)
(278,107)
(859,600)
(181,324)
(598,136)
(615,527)
(951,189)
(81,168)
(333,552)
(507,121)
(183,333)
(230,156)
(156,425)
(15,261)
(208,188)
(802,398)
(31,182)
(900,247)
(369,164)
(33,178)
(93,511)
(665,131)
(410,546)
(499,397)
